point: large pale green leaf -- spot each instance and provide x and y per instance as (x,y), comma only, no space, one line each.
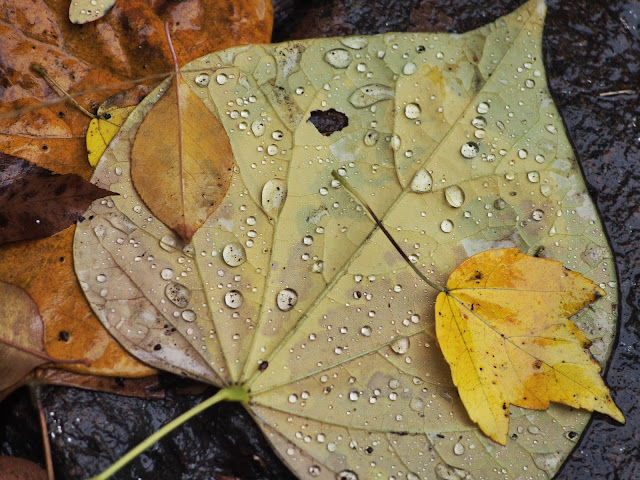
(291,290)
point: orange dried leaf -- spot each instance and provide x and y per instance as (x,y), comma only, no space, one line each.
(20,337)
(44,268)
(503,328)
(181,160)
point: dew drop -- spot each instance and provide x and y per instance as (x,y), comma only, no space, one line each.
(357,43)
(400,346)
(338,58)
(222,79)
(168,243)
(529,83)
(233,299)
(346,475)
(454,195)
(353,395)
(101,278)
(410,68)
(274,194)
(534,177)
(234,254)
(371,138)
(315,470)
(286,299)
(412,111)
(272,150)
(446,226)
(258,128)
(422,182)
(178,294)
(483,108)
(189,316)
(537,215)
(277,135)
(318,266)
(395,142)
(458,449)
(500,204)
(307,240)
(370,94)
(202,80)
(522,153)
(470,150)
(479,122)
(166,274)
(540,158)
(551,129)
(366,331)
(293,398)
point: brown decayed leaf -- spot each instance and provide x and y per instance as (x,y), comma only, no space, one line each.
(146,387)
(44,268)
(181,160)
(128,43)
(503,328)
(20,325)
(37,203)
(14,468)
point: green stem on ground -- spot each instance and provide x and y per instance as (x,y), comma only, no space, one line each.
(375,218)
(230,394)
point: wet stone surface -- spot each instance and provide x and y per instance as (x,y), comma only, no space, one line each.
(592,53)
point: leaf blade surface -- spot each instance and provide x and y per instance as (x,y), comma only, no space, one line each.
(348,376)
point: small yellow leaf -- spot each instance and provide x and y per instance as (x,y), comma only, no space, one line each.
(504,330)
(103,129)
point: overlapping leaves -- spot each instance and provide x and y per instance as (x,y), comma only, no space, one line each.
(290,290)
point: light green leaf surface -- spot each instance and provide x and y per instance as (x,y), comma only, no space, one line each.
(291,290)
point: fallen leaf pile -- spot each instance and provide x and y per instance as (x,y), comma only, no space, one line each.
(92,62)
(289,290)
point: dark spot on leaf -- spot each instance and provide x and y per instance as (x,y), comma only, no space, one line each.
(157,346)
(263,366)
(537,364)
(63,336)
(369,450)
(328,121)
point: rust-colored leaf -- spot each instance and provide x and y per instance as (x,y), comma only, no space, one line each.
(181,160)
(21,341)
(14,468)
(44,268)
(36,203)
(503,326)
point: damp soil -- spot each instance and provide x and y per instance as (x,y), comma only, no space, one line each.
(592,55)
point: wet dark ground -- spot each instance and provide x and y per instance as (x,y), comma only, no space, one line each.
(592,53)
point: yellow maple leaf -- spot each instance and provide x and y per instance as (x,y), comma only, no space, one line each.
(503,327)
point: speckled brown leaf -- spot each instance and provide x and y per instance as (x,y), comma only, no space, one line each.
(36,203)
(21,337)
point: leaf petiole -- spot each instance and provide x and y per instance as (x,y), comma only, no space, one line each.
(40,70)
(375,218)
(236,393)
